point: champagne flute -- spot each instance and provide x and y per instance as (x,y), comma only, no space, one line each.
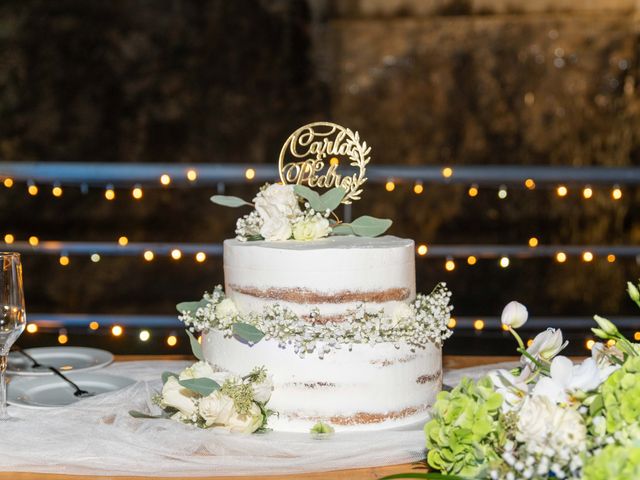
(12,315)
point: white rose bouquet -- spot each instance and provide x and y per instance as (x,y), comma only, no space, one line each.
(295,212)
(205,398)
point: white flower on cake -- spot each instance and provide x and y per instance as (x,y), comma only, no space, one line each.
(275,227)
(546,345)
(176,396)
(245,423)
(277,199)
(216,409)
(262,389)
(226,309)
(198,370)
(401,313)
(514,315)
(311,228)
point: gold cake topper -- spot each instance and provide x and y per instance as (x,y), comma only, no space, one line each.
(313,153)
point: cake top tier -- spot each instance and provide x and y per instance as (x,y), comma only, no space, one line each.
(339,242)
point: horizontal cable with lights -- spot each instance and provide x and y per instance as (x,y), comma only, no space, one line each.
(149,251)
(135,175)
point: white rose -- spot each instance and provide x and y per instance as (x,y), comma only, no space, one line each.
(402,312)
(247,423)
(216,409)
(546,345)
(275,227)
(311,229)
(197,370)
(176,396)
(226,309)
(279,197)
(262,390)
(514,315)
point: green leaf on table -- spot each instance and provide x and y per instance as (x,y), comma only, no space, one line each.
(309,195)
(342,229)
(247,332)
(367,226)
(137,414)
(228,201)
(204,386)
(196,348)
(332,199)
(166,375)
(191,307)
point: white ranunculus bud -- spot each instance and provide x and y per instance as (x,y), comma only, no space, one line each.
(546,345)
(226,309)
(606,325)
(176,396)
(311,229)
(633,291)
(262,390)
(280,198)
(276,226)
(514,315)
(247,423)
(216,409)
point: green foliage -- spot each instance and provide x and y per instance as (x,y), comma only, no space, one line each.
(465,429)
(191,307)
(321,203)
(309,195)
(364,226)
(614,462)
(166,375)
(247,332)
(621,396)
(203,386)
(196,348)
(322,428)
(229,201)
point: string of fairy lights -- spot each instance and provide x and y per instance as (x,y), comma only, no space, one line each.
(133,180)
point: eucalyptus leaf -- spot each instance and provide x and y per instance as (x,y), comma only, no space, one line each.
(191,307)
(137,414)
(342,229)
(228,201)
(166,375)
(331,199)
(196,348)
(367,226)
(247,332)
(203,386)
(310,195)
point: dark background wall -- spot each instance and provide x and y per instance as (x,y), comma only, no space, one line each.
(425,83)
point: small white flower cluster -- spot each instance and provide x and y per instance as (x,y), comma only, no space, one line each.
(422,322)
(237,406)
(248,226)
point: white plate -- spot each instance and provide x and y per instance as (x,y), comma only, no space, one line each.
(49,391)
(65,359)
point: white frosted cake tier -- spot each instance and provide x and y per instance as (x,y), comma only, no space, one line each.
(367,388)
(332,274)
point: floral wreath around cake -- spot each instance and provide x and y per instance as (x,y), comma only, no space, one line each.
(417,324)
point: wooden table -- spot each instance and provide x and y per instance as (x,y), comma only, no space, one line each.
(352,474)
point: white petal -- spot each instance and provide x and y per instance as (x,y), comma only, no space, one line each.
(561,370)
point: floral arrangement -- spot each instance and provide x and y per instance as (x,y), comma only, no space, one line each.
(203,397)
(284,212)
(547,418)
(423,321)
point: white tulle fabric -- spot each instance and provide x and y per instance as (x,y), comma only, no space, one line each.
(97,436)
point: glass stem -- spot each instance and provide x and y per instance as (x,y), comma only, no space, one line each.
(3,388)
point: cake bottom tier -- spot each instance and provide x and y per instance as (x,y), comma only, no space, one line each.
(365,388)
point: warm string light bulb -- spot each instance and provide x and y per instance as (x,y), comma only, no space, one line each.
(504,262)
(192,175)
(32,189)
(562,191)
(334,162)
(95,257)
(123,241)
(611,258)
(33,241)
(533,242)
(109,193)
(502,192)
(478,324)
(249,174)
(8,182)
(452,323)
(418,188)
(473,191)
(587,192)
(201,257)
(450,265)
(390,186)
(471,260)
(447,172)
(64,260)
(589,344)
(63,338)
(137,192)
(530,183)
(144,335)
(587,256)
(9,239)
(422,249)
(56,191)
(176,254)
(172,340)
(561,257)
(94,326)
(117,330)
(616,193)
(165,179)
(148,255)
(32,328)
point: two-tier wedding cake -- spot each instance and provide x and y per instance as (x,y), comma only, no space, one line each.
(328,308)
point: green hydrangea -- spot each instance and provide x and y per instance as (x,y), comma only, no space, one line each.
(465,430)
(621,400)
(614,462)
